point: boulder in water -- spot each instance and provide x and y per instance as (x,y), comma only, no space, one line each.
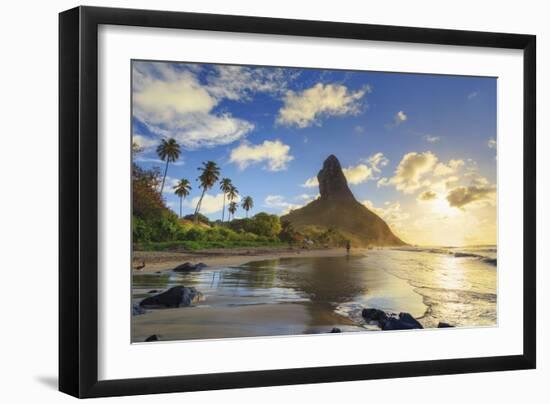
(187,266)
(178,296)
(402,322)
(374,315)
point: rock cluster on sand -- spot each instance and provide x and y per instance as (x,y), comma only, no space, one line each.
(391,321)
(187,267)
(178,296)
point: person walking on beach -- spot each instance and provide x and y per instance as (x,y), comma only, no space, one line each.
(348,246)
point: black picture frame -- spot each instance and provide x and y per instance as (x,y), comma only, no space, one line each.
(78,201)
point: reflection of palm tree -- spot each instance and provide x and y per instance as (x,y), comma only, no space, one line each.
(208,177)
(232,208)
(182,190)
(225,186)
(247,204)
(168,150)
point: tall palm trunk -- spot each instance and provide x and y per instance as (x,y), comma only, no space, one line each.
(164,177)
(223,208)
(181,201)
(199,206)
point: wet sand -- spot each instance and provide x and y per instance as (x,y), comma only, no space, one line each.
(164,261)
(232,322)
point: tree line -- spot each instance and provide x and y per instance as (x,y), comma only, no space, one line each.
(209,174)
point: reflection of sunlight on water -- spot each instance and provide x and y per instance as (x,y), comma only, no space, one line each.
(453,276)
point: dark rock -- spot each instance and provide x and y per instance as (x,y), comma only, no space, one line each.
(137,310)
(444,325)
(178,296)
(153,291)
(374,315)
(190,267)
(403,322)
(152,338)
(332,182)
(335,330)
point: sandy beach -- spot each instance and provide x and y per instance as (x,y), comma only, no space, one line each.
(164,260)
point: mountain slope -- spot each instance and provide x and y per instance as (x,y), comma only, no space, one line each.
(337,208)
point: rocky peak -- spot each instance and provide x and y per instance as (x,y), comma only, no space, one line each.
(332,182)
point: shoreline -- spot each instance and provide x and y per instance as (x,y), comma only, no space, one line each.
(164,260)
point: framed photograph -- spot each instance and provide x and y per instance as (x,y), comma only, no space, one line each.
(251,201)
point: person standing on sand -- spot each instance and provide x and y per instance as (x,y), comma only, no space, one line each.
(348,246)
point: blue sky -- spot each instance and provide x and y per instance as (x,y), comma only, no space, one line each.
(418,149)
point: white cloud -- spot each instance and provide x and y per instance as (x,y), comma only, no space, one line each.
(209,204)
(417,170)
(431,139)
(239,83)
(464,195)
(274,153)
(306,197)
(169,184)
(144,159)
(279,202)
(472,95)
(357,174)
(307,107)
(427,195)
(399,118)
(171,102)
(391,212)
(492,143)
(377,161)
(312,182)
(144,142)
(409,174)
(442,169)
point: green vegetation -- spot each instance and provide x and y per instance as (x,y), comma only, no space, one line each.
(156,228)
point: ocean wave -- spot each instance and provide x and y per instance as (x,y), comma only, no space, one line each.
(483,254)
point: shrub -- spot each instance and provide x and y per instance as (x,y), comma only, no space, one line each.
(200,218)
(141,231)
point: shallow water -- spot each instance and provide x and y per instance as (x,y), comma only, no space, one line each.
(316,294)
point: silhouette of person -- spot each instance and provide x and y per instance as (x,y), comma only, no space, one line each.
(348,246)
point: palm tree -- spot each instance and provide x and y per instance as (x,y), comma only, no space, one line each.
(168,150)
(182,190)
(232,208)
(208,177)
(247,204)
(225,186)
(233,193)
